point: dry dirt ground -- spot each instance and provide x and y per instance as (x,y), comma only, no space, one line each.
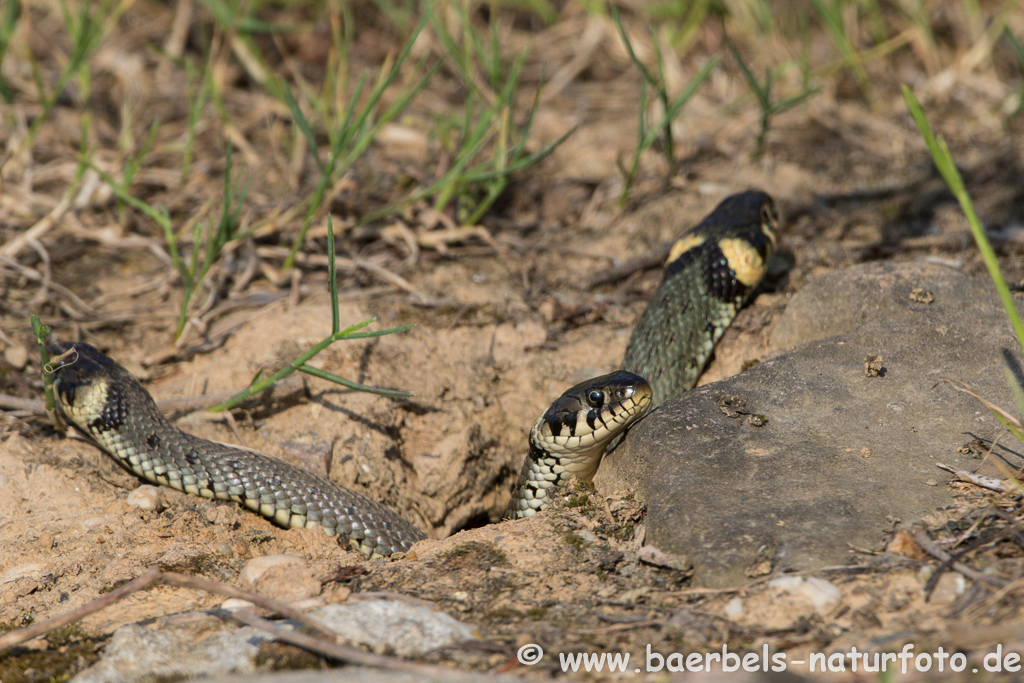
(507,314)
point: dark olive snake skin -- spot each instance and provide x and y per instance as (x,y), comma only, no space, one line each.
(104,401)
(711,272)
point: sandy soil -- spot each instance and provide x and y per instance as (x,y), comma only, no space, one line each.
(505,319)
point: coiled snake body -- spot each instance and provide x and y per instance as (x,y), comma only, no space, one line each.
(710,273)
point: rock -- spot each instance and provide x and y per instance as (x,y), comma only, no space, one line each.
(822,595)
(394,628)
(948,588)
(255,568)
(839,459)
(842,300)
(362,675)
(282,577)
(146,497)
(733,609)
(195,643)
(785,603)
(16,357)
(174,648)
(222,514)
(657,557)
(93,522)
(34,572)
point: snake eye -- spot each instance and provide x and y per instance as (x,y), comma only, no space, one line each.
(767,214)
(595,397)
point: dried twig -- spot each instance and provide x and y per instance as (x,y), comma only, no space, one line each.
(840,568)
(616,628)
(621,272)
(929,546)
(325,646)
(22,635)
(977,479)
(35,275)
(961,387)
(31,405)
(16,245)
(44,257)
(351,264)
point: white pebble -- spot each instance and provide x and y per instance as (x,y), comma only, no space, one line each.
(146,497)
(822,594)
(93,522)
(734,609)
(16,356)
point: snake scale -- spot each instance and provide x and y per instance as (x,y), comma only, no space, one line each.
(710,273)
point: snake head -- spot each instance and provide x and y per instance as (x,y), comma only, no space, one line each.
(589,415)
(91,386)
(78,369)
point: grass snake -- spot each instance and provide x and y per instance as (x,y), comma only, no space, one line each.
(710,273)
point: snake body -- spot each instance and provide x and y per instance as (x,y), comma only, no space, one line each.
(107,404)
(710,273)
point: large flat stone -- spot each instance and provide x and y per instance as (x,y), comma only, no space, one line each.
(843,457)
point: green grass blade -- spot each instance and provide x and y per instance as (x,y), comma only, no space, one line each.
(42,335)
(681,100)
(629,46)
(350,333)
(748,75)
(8,26)
(331,377)
(793,101)
(300,120)
(944,162)
(263,383)
(332,277)
(1018,51)
(520,164)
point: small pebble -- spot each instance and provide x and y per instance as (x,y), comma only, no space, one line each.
(16,356)
(734,609)
(282,577)
(949,587)
(822,594)
(146,497)
(258,566)
(93,522)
